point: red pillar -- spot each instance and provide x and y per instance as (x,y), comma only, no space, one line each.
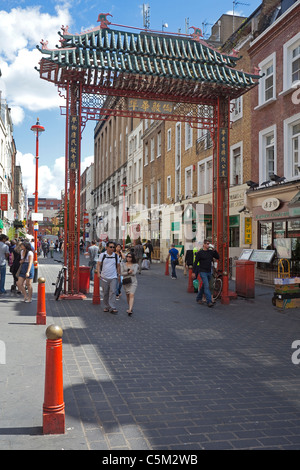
(41,303)
(54,407)
(96,293)
(190,288)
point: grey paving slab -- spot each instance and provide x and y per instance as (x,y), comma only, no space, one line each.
(175,375)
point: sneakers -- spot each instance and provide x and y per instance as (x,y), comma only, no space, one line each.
(210,304)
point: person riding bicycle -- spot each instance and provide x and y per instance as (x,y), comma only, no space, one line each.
(202,265)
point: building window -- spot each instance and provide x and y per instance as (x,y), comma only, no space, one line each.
(188,182)
(205,172)
(152,194)
(292,147)
(188,136)
(267,153)
(158,192)
(146,153)
(267,89)
(169,186)
(152,149)
(236,164)
(291,62)
(237,108)
(146,196)
(158,144)
(169,140)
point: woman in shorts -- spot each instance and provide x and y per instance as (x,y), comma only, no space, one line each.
(27,271)
(128,271)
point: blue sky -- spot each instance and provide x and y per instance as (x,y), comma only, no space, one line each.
(24,23)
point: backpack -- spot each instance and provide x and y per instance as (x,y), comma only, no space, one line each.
(104,256)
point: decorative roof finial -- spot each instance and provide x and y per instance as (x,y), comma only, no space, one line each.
(102,18)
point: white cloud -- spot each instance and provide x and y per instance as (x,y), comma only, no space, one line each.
(20,31)
(51,181)
(17,114)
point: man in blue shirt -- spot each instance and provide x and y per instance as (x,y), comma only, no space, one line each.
(174,253)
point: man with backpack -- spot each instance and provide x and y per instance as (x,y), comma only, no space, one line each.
(139,253)
(108,270)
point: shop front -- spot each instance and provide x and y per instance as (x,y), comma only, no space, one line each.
(278,228)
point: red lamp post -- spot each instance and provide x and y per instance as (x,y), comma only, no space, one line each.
(37,129)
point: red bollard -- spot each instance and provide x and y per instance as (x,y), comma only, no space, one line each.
(54,407)
(96,293)
(167,268)
(41,303)
(190,288)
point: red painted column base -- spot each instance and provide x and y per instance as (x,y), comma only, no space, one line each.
(190,288)
(54,423)
(41,319)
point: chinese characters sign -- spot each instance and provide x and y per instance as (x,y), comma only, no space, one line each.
(4,201)
(150,106)
(223,153)
(248,230)
(74,142)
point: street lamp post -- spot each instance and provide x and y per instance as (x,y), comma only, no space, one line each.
(37,129)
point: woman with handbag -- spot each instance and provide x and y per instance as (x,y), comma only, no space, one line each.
(128,270)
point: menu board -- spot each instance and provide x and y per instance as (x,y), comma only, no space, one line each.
(262,256)
(246,254)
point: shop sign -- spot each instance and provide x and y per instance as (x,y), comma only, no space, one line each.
(248,230)
(4,201)
(270,204)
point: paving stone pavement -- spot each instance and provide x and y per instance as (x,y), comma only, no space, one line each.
(175,376)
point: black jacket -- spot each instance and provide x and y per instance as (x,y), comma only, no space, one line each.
(204,258)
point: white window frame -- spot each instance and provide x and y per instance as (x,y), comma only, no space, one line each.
(207,187)
(288,153)
(188,191)
(288,47)
(237,109)
(188,136)
(158,189)
(146,153)
(158,144)
(232,148)
(152,149)
(263,134)
(168,186)
(264,66)
(169,140)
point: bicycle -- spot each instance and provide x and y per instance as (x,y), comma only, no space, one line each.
(216,284)
(59,281)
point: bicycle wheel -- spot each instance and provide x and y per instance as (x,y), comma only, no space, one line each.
(59,288)
(217,288)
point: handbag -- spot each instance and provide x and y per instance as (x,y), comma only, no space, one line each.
(127,280)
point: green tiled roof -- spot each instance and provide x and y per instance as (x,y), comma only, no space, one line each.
(148,55)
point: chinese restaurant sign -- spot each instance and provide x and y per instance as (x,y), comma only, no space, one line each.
(223,153)
(4,201)
(248,230)
(150,106)
(74,136)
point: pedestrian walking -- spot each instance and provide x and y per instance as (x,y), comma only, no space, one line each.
(203,266)
(108,270)
(149,250)
(26,272)
(174,254)
(16,267)
(51,248)
(93,252)
(128,270)
(138,253)
(4,255)
(121,255)
(45,248)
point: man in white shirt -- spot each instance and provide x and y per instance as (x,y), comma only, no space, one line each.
(108,269)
